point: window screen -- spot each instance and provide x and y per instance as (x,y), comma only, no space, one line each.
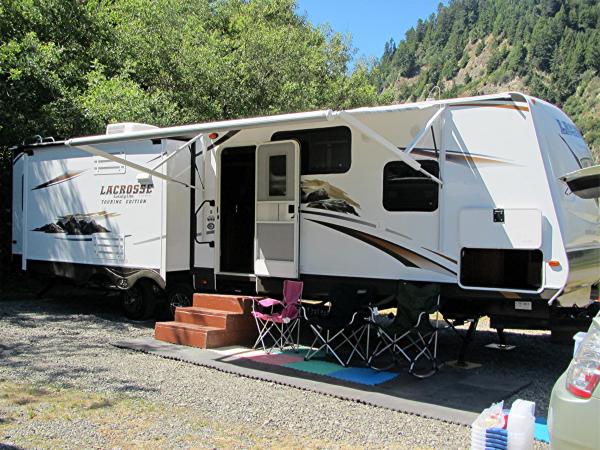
(322,150)
(405,189)
(509,269)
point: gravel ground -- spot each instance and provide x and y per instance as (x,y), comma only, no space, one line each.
(65,342)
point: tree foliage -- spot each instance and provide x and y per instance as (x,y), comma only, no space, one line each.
(69,67)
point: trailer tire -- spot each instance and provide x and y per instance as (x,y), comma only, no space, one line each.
(139,301)
(179,295)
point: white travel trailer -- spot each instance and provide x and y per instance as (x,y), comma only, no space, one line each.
(464,192)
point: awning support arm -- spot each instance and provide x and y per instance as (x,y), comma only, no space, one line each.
(409,160)
(94,151)
(187,144)
(424,130)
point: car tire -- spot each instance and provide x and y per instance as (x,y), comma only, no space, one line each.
(139,301)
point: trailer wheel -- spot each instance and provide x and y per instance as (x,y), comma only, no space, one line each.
(179,295)
(139,301)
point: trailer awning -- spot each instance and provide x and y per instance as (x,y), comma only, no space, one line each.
(189,131)
(193,132)
(584,183)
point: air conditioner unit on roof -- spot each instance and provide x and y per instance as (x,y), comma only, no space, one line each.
(127,127)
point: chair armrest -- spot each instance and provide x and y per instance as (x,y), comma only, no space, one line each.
(303,312)
(421,315)
(314,310)
(267,302)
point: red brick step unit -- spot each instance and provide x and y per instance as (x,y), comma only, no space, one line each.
(213,321)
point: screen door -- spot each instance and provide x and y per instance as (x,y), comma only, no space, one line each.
(277,200)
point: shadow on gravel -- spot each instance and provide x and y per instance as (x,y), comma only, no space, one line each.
(55,336)
(64,302)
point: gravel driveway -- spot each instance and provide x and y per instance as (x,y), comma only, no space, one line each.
(65,342)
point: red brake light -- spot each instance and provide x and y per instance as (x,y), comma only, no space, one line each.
(589,381)
(584,373)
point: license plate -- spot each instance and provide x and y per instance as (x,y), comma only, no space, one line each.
(524,306)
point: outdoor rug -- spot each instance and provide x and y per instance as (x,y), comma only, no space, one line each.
(295,360)
(451,395)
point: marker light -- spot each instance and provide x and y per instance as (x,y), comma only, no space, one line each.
(584,374)
(213,136)
(554,263)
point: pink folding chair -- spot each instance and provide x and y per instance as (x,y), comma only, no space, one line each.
(279,325)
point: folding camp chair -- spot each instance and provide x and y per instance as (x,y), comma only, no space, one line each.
(276,319)
(342,325)
(410,334)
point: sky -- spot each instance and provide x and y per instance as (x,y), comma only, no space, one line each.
(370,22)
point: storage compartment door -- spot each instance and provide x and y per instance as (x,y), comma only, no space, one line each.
(277,199)
(500,228)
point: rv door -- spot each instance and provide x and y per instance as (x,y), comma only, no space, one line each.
(277,200)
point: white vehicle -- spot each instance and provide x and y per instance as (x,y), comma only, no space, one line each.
(573,412)
(464,192)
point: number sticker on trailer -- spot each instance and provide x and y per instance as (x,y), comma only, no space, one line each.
(524,306)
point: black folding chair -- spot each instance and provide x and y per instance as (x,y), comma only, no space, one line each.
(342,325)
(409,335)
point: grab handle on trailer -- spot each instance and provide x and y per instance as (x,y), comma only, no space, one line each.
(212,204)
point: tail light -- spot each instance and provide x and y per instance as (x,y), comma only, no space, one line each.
(584,374)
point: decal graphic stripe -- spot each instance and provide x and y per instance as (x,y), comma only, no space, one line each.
(459,156)
(338,216)
(404,255)
(507,106)
(59,179)
(442,255)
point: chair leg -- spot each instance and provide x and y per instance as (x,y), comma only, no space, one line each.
(287,335)
(326,343)
(356,347)
(264,331)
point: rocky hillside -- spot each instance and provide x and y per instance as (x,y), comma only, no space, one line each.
(548,48)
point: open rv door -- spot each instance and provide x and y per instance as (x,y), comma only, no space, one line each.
(277,232)
(584,183)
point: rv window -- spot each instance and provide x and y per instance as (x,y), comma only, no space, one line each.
(322,150)
(508,269)
(405,189)
(277,175)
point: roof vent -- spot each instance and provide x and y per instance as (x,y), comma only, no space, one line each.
(127,127)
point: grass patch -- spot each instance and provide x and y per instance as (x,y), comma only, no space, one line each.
(31,415)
